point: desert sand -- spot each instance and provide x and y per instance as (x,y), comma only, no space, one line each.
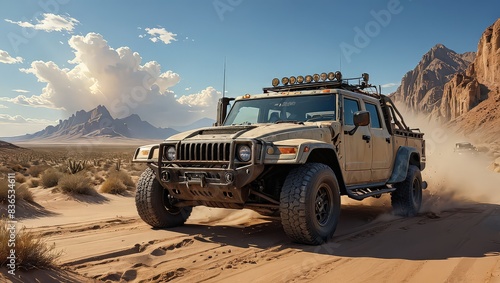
(455,238)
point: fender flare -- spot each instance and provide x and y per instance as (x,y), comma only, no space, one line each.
(401,164)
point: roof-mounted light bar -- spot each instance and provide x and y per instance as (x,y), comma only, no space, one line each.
(323,77)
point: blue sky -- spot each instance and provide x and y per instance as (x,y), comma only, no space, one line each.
(188,40)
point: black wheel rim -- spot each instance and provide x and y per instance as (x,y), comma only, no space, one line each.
(323,205)
(168,203)
(416,193)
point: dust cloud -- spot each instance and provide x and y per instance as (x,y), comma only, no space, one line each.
(454,180)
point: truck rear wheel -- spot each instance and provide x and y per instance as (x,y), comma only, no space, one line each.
(310,204)
(155,205)
(407,198)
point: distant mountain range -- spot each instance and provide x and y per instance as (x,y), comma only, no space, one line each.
(98,122)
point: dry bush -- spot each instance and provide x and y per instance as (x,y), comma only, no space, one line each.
(118,182)
(5,170)
(22,192)
(33,182)
(113,185)
(77,184)
(20,178)
(35,170)
(4,187)
(50,178)
(31,250)
(124,177)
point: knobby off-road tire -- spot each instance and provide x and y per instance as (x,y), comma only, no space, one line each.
(154,203)
(310,204)
(407,198)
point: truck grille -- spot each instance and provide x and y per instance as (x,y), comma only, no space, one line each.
(204,151)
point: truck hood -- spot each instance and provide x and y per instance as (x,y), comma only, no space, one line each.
(265,132)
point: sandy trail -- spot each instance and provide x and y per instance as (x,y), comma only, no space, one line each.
(110,243)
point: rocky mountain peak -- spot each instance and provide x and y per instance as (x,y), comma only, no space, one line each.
(422,88)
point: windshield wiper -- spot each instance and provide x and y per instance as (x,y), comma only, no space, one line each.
(289,121)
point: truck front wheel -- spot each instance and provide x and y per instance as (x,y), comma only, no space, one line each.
(310,204)
(407,198)
(155,205)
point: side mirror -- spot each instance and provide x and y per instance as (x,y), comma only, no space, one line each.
(361,118)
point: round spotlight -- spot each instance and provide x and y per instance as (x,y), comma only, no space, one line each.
(170,153)
(276,82)
(300,79)
(309,78)
(323,77)
(338,76)
(285,80)
(293,80)
(244,153)
(365,77)
(316,77)
(331,76)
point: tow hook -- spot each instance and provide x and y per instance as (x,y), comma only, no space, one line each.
(424,185)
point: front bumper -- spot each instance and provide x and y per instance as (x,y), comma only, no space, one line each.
(198,176)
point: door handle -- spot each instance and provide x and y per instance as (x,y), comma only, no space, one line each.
(388,140)
(367,138)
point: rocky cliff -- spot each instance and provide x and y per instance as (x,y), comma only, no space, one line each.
(483,81)
(422,88)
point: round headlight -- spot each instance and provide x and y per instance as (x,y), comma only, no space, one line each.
(276,82)
(323,76)
(331,76)
(300,79)
(316,77)
(244,153)
(284,80)
(171,153)
(338,76)
(293,80)
(309,78)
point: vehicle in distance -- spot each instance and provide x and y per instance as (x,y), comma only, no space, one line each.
(293,149)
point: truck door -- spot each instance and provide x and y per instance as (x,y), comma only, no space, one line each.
(382,145)
(357,147)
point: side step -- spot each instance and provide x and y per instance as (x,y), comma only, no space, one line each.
(360,192)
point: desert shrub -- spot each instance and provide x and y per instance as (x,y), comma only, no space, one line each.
(113,185)
(118,182)
(31,250)
(124,177)
(4,187)
(33,182)
(50,178)
(76,184)
(20,178)
(22,192)
(35,170)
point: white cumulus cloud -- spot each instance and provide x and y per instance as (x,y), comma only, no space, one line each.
(160,34)
(50,22)
(117,79)
(7,59)
(3,106)
(390,85)
(20,90)
(18,119)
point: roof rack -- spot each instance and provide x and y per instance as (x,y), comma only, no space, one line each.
(323,81)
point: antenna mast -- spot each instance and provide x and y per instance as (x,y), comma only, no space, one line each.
(224,80)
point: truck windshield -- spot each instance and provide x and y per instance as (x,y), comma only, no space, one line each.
(309,108)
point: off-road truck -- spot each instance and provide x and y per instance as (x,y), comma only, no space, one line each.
(293,150)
